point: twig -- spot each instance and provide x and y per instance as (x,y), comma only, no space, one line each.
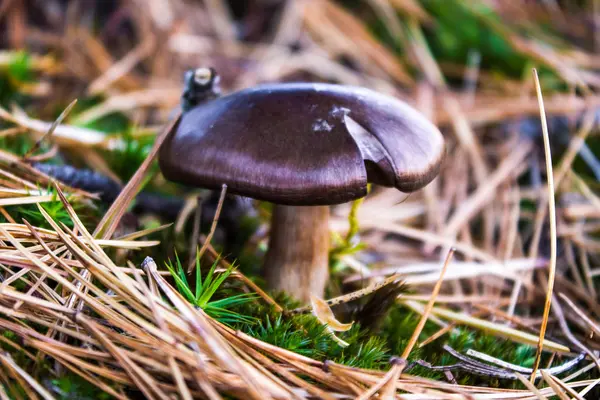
(354,295)
(516,368)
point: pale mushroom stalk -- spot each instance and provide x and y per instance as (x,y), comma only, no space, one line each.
(297,261)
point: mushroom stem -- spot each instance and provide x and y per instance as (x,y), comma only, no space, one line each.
(298,257)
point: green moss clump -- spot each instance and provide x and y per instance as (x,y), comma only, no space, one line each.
(304,334)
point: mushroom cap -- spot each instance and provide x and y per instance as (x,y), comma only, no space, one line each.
(303,144)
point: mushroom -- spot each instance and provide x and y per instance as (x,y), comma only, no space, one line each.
(302,147)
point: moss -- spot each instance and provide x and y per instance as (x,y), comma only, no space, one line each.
(451,41)
(73,387)
(15,73)
(126,160)
(304,334)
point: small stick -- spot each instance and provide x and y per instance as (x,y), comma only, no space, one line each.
(559,369)
(552,215)
(471,363)
(467,364)
(353,295)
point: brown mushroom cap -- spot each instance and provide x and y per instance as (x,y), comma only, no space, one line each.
(303,144)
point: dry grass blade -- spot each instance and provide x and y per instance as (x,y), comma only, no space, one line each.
(144,232)
(486,191)
(589,120)
(412,8)
(324,18)
(489,327)
(122,67)
(128,102)
(552,215)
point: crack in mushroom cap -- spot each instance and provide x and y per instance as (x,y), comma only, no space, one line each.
(303,144)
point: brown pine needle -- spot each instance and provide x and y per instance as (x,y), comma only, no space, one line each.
(552,215)
(111,219)
(591,324)
(213,226)
(7,360)
(530,386)
(384,384)
(555,386)
(48,134)
(388,391)
(428,308)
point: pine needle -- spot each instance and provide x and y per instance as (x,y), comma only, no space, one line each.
(48,134)
(552,215)
(213,226)
(425,315)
